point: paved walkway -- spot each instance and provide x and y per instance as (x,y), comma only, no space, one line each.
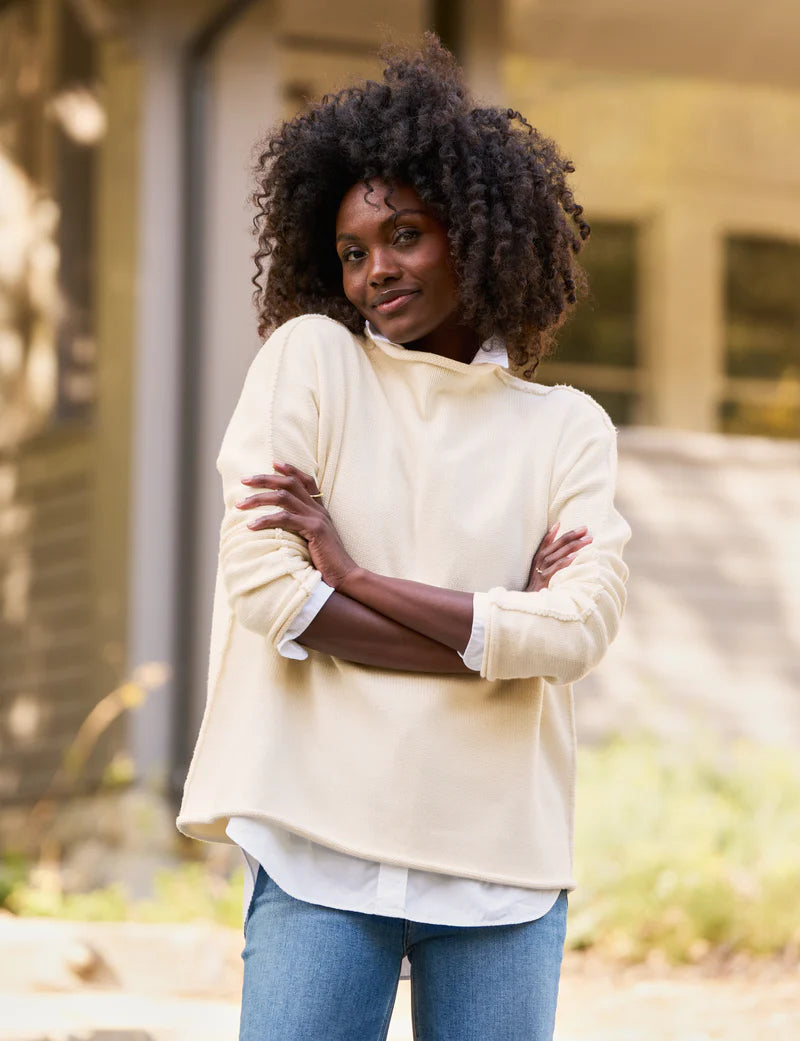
(601,1005)
(594,1008)
(79,981)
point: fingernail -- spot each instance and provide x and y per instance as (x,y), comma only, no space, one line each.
(241,502)
(247,480)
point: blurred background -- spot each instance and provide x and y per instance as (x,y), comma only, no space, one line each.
(127,129)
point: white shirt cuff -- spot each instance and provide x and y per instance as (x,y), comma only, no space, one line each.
(305,616)
(473,652)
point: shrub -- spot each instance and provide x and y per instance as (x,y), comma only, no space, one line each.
(683,852)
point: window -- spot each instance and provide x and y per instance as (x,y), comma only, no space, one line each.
(596,348)
(762,338)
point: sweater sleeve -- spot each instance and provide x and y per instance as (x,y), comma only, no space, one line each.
(562,632)
(267,574)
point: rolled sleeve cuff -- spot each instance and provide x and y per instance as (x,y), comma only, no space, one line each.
(287,645)
(473,652)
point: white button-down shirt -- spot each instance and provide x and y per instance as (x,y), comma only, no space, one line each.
(318,874)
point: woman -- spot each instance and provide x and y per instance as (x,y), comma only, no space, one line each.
(389,733)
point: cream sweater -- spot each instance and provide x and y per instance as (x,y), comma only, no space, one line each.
(419,459)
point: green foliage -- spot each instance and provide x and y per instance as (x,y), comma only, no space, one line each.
(682,852)
(188,893)
(13,872)
(191,892)
(100,905)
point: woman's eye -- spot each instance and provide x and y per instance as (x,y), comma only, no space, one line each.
(352,254)
(406,235)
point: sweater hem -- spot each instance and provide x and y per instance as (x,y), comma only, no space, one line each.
(200,828)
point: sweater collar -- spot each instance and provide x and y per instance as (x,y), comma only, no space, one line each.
(491,352)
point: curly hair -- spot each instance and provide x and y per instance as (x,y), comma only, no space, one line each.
(496,183)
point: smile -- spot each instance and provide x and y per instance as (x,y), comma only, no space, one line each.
(395,304)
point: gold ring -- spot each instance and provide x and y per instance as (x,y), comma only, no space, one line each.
(315,495)
(538,571)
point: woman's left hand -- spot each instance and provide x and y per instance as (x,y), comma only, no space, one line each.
(302,512)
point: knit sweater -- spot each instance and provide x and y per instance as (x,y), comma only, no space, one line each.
(419,459)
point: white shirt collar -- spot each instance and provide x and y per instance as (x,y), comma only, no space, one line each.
(491,352)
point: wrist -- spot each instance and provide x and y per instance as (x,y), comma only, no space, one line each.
(352,581)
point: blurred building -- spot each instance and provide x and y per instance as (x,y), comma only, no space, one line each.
(126,136)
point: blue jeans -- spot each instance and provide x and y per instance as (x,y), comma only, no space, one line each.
(314,973)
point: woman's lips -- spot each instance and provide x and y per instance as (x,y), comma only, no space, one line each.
(395,304)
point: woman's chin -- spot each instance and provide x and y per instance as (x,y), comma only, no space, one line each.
(397,332)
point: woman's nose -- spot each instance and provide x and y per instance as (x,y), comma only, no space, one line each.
(383,267)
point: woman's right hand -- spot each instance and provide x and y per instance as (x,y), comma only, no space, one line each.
(554,554)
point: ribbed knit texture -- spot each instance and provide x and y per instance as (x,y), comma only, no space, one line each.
(421,460)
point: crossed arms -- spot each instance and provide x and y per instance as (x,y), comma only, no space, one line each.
(372,619)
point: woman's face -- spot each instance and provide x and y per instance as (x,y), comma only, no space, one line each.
(396,267)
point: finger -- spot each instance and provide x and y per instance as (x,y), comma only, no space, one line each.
(570,536)
(276,497)
(566,544)
(568,539)
(555,563)
(573,546)
(275,480)
(547,573)
(281,519)
(548,539)
(288,481)
(567,552)
(558,565)
(545,543)
(305,479)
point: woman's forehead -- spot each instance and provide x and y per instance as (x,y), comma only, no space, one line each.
(367,203)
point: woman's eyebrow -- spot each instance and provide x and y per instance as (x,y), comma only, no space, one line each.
(402,213)
(346,236)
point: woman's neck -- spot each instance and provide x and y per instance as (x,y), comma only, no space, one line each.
(449,340)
